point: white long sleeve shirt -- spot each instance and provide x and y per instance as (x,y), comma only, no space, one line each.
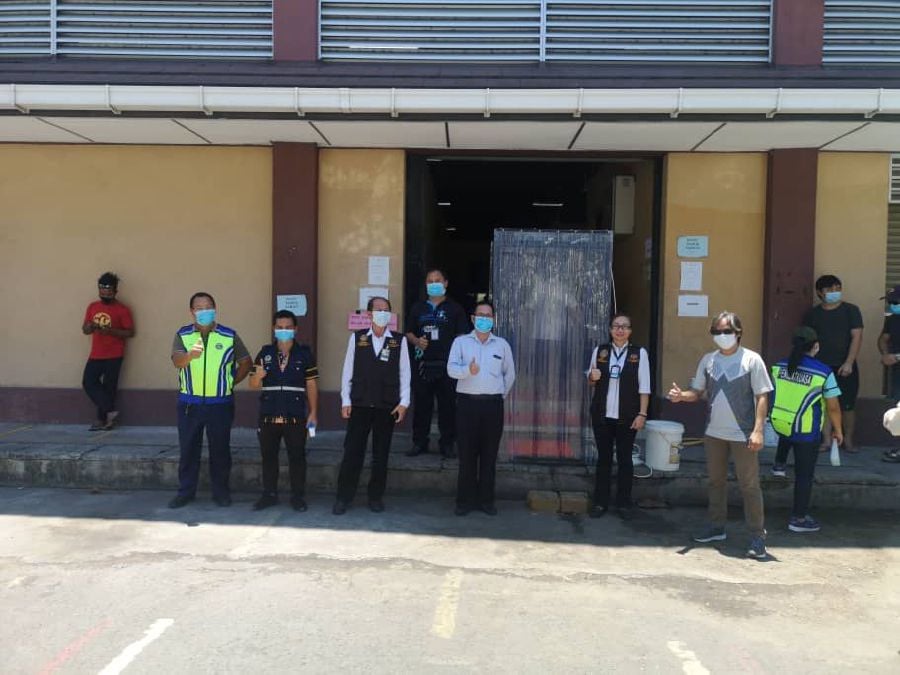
(377,344)
(495,362)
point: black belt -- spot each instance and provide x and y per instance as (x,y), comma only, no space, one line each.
(482,396)
(279,419)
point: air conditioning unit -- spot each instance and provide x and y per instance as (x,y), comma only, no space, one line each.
(623,205)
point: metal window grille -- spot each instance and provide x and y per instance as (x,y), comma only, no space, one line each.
(861,31)
(532,30)
(25,28)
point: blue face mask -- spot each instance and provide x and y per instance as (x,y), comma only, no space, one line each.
(205,317)
(284,334)
(435,289)
(483,324)
(895,309)
(832,297)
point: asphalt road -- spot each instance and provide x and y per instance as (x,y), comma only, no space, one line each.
(115,582)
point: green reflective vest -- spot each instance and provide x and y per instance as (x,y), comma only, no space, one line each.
(209,379)
(797,407)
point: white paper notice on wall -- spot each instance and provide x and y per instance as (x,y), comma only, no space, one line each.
(691,276)
(379,270)
(693,305)
(293,303)
(368,292)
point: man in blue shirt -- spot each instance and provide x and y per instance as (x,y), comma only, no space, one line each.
(482,365)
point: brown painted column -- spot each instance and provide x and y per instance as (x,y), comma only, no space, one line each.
(790,246)
(295,206)
(295,24)
(797,32)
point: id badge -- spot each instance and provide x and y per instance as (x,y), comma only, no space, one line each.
(434,334)
(385,354)
(614,372)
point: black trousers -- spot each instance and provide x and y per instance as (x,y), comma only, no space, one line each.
(806,454)
(424,393)
(478,433)
(101,382)
(270,436)
(193,420)
(609,432)
(380,423)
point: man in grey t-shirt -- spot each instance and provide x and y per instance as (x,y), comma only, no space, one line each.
(736,383)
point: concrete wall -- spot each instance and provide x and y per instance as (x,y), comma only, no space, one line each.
(168,220)
(851,236)
(722,196)
(361,213)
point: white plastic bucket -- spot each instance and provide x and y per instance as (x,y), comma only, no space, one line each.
(663,449)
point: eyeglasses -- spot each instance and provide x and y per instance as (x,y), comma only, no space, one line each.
(106,287)
(724,331)
(621,326)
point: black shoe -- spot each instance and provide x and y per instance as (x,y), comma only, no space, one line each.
(222,501)
(489,509)
(179,501)
(417,450)
(298,504)
(339,508)
(265,501)
(598,511)
(462,511)
(376,505)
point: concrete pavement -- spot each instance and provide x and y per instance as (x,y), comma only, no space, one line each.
(115,582)
(147,458)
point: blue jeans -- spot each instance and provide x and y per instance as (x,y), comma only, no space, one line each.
(216,420)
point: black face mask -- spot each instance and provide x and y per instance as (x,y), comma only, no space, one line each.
(106,301)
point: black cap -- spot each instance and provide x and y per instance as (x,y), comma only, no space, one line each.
(893,295)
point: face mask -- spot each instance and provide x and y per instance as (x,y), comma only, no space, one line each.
(483,324)
(833,296)
(895,309)
(284,334)
(381,318)
(205,317)
(435,289)
(725,342)
(106,301)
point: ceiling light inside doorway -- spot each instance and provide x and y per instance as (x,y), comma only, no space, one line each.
(450,229)
(555,205)
(443,203)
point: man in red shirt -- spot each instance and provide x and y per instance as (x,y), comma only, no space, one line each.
(109,324)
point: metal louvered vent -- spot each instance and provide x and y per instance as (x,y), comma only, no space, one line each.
(895,179)
(862,31)
(665,30)
(198,29)
(538,30)
(25,28)
(431,30)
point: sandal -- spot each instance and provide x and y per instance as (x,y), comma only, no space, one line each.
(892,456)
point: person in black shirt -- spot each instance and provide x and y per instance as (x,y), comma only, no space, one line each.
(286,373)
(839,326)
(889,346)
(431,327)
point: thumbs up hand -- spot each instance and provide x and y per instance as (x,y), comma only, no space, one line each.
(473,367)
(197,350)
(595,374)
(675,393)
(259,370)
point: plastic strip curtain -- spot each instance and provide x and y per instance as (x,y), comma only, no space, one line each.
(553,293)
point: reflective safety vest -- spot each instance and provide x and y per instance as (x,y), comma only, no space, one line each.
(209,379)
(797,406)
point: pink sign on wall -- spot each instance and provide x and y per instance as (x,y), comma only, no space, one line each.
(361,321)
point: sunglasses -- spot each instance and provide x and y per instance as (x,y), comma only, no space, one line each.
(106,287)
(621,326)
(724,331)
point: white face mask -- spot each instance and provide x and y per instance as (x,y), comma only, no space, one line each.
(725,342)
(381,318)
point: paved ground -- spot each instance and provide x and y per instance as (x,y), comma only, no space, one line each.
(114,581)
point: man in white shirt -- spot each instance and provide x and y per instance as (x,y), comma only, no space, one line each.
(374,398)
(482,364)
(736,383)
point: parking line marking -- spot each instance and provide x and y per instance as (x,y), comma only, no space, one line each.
(445,613)
(73,648)
(131,652)
(16,430)
(690,664)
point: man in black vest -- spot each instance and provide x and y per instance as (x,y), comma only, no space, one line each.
(286,373)
(374,398)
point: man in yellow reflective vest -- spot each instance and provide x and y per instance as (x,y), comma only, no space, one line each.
(211,359)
